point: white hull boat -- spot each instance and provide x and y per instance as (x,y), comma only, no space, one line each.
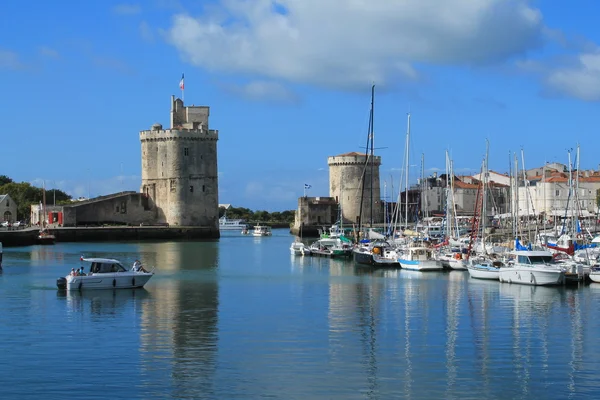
(457,263)
(484,270)
(533,268)
(419,259)
(299,249)
(595,274)
(105,273)
(262,230)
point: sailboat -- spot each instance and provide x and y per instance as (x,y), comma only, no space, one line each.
(485,267)
(377,253)
(44,237)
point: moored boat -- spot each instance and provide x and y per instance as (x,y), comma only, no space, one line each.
(419,258)
(45,237)
(532,267)
(485,269)
(104,273)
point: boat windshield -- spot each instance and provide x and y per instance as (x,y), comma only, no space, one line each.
(540,259)
(106,268)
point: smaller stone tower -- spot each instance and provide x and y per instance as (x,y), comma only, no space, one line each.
(346,173)
(179,168)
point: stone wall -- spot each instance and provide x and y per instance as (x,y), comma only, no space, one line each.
(314,213)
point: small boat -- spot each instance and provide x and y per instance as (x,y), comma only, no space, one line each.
(245,231)
(595,273)
(485,269)
(419,258)
(45,237)
(378,254)
(104,273)
(299,249)
(262,230)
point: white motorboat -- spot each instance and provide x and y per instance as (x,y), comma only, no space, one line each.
(104,273)
(419,258)
(485,269)
(262,230)
(299,249)
(595,273)
(533,268)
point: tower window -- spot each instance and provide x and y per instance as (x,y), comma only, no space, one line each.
(173,185)
(203,188)
(191,189)
(186,151)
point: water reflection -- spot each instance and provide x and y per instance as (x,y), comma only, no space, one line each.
(183,318)
(102,303)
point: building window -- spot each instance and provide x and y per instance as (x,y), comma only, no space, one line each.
(123,207)
(7,216)
(558,193)
(7,203)
(173,185)
(186,151)
(191,189)
(117,209)
(203,188)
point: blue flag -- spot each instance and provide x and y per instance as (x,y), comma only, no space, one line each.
(307,186)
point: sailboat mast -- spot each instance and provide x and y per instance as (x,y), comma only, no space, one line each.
(372,150)
(406,170)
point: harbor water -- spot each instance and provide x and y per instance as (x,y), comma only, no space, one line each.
(241,318)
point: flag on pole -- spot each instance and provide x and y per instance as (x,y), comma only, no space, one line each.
(307,186)
(181,85)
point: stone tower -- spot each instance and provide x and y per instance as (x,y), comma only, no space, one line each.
(179,168)
(345,184)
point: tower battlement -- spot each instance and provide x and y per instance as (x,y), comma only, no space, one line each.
(352,159)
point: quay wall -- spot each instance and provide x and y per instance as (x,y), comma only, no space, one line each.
(27,237)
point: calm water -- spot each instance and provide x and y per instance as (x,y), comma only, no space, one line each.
(242,319)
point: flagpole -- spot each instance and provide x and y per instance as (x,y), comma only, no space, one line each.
(304,190)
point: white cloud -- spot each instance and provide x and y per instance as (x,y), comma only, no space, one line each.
(146,32)
(580,79)
(349,44)
(48,52)
(127,9)
(11,60)
(264,91)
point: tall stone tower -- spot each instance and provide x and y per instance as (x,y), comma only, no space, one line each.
(345,185)
(179,168)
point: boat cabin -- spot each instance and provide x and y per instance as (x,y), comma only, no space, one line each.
(104,265)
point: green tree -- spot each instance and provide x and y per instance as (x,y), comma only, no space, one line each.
(4,180)
(24,194)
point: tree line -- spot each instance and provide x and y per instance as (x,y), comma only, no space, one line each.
(276,217)
(24,195)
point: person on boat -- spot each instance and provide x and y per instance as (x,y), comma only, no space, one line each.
(73,273)
(81,271)
(138,267)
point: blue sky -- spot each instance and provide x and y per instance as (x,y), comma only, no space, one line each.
(288,85)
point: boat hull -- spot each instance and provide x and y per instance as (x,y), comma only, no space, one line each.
(421,265)
(478,272)
(108,281)
(532,276)
(595,277)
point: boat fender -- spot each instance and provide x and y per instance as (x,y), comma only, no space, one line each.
(114,282)
(133,282)
(531,278)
